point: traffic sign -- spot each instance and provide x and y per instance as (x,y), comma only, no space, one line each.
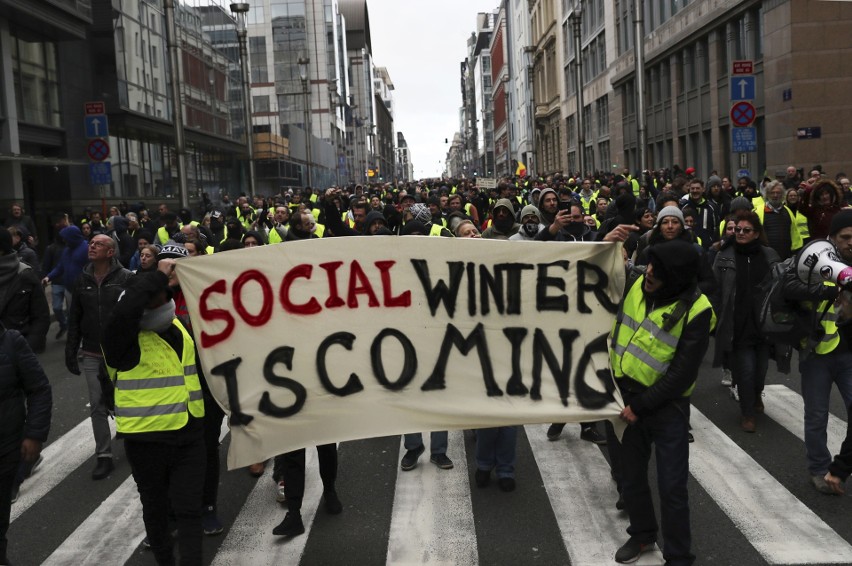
(92,108)
(743,140)
(97,126)
(100,173)
(743,114)
(742,67)
(98,149)
(742,88)
(743,173)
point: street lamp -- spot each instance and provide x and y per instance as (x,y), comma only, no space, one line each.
(177,101)
(334,103)
(240,11)
(576,20)
(303,63)
(505,81)
(529,56)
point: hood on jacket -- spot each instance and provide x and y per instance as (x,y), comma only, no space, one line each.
(72,236)
(120,224)
(373,216)
(676,263)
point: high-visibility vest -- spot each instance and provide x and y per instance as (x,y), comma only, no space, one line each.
(830,339)
(436,230)
(640,347)
(802,223)
(275,236)
(162,390)
(795,233)
(587,202)
(320,230)
(163,234)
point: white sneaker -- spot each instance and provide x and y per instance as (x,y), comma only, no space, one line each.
(726,377)
(735,395)
(280,497)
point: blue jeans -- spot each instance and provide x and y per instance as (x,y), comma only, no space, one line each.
(749,365)
(666,429)
(438,441)
(495,448)
(57,293)
(819,372)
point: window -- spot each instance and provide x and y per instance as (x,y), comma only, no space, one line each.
(257,56)
(34,65)
(260,103)
(602,112)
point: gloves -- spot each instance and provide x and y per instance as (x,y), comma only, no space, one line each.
(71,362)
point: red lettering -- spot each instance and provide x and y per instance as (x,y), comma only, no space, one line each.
(300,271)
(265,313)
(209,315)
(334,299)
(403,300)
(360,285)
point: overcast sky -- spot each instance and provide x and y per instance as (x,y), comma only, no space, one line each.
(422,43)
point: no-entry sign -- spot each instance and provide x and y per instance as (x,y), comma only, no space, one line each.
(743,114)
(98,149)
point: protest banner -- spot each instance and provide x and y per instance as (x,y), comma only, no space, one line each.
(336,339)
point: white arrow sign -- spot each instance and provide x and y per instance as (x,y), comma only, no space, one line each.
(743,84)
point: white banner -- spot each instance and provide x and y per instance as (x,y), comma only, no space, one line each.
(306,343)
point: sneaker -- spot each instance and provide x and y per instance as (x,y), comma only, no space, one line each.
(555,431)
(103,468)
(818,481)
(632,550)
(726,377)
(735,395)
(506,484)
(591,434)
(409,461)
(280,496)
(291,526)
(442,461)
(482,478)
(210,523)
(333,506)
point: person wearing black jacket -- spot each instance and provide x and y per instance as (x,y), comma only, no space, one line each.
(662,327)
(92,300)
(25,408)
(23,306)
(159,411)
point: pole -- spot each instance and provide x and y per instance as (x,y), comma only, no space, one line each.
(508,139)
(241,34)
(531,136)
(578,58)
(639,50)
(309,157)
(177,102)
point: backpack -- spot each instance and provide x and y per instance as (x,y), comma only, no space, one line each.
(783,321)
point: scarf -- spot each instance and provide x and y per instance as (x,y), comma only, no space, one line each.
(158,319)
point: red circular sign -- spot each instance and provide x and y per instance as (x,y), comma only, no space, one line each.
(98,149)
(743,114)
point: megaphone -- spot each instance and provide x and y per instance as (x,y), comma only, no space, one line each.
(818,262)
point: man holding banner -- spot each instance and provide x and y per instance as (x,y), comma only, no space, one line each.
(661,331)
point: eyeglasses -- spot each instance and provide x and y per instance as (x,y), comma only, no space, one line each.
(96,244)
(739,230)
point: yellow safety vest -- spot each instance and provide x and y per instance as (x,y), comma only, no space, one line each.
(160,392)
(274,236)
(640,347)
(831,339)
(795,233)
(802,223)
(163,234)
(320,230)
(435,230)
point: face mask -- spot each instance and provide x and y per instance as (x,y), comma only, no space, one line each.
(530,229)
(158,319)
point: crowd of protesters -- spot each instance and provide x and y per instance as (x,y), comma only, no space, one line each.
(736,231)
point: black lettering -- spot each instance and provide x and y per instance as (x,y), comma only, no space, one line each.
(282,355)
(587,396)
(513,284)
(228,370)
(440,293)
(543,301)
(454,338)
(515,385)
(409,365)
(598,288)
(488,282)
(353,384)
(543,351)
(471,289)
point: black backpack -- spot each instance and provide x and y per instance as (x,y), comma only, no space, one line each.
(783,321)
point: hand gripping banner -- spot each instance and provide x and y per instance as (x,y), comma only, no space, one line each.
(306,343)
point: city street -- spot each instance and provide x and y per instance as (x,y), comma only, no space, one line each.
(751,500)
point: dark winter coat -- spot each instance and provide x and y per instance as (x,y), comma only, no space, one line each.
(74,257)
(23,306)
(91,305)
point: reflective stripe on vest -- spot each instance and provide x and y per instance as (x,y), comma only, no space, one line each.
(831,339)
(643,350)
(161,390)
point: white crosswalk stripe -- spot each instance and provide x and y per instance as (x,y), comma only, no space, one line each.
(433,518)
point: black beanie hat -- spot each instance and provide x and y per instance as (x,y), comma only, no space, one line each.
(841,220)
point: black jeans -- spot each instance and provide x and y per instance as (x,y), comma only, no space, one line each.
(667,430)
(170,476)
(213,416)
(291,468)
(8,468)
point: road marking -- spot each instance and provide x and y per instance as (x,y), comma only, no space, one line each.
(779,526)
(432,518)
(250,539)
(109,535)
(582,496)
(787,408)
(61,458)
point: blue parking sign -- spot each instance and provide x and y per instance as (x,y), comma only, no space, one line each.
(743,140)
(100,173)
